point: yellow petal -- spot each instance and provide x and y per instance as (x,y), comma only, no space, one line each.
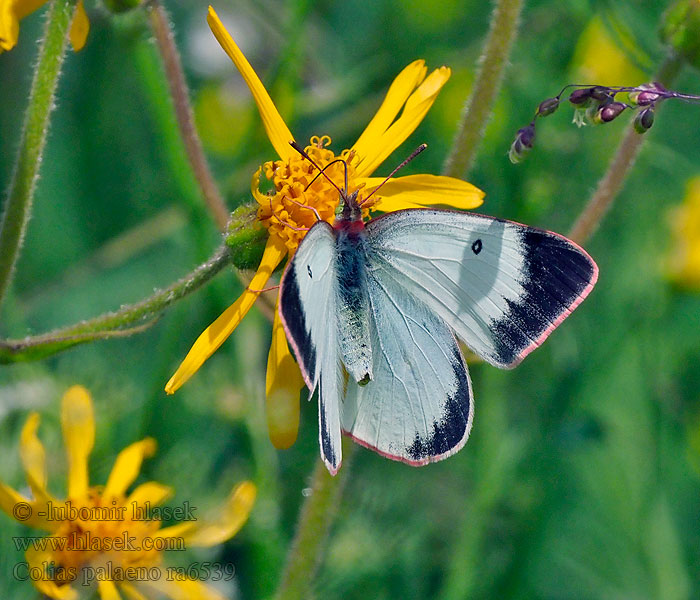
(181,530)
(399,91)
(192,589)
(416,191)
(23,510)
(150,492)
(127,466)
(181,589)
(277,130)
(131,592)
(107,590)
(79,436)
(33,457)
(231,518)
(215,335)
(23,8)
(11,12)
(79,28)
(9,25)
(282,384)
(417,105)
(39,562)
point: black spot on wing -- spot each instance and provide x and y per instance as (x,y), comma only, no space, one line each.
(327,448)
(477,246)
(450,431)
(556,274)
(293,312)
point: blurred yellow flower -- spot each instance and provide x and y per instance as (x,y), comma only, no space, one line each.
(684,260)
(100,535)
(599,59)
(12,11)
(299,198)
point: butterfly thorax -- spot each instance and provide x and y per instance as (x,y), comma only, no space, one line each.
(353,299)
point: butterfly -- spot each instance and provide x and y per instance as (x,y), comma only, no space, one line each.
(371,311)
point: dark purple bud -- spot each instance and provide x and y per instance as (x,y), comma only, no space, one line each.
(580,96)
(644,120)
(547,107)
(611,111)
(526,135)
(646,98)
(601,93)
(524,140)
(659,87)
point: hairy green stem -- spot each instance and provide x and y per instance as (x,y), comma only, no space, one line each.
(502,34)
(620,165)
(41,101)
(172,66)
(315,519)
(114,324)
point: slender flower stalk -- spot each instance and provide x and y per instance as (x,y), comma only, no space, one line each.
(18,203)
(620,165)
(183,113)
(315,519)
(493,62)
(114,324)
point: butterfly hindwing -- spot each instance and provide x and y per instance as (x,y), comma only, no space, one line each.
(502,286)
(418,406)
(307,308)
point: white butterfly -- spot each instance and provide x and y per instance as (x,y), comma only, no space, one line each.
(371,311)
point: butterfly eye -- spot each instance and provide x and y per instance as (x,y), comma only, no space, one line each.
(477,246)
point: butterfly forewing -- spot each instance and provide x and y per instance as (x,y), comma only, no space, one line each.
(502,286)
(418,406)
(308,308)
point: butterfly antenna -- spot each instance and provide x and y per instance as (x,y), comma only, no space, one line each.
(413,154)
(321,171)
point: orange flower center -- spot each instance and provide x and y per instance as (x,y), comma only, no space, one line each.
(102,535)
(301,195)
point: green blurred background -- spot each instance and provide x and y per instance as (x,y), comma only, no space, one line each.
(582,475)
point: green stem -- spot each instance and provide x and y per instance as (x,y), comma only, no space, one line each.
(114,324)
(316,517)
(172,67)
(502,34)
(620,165)
(41,101)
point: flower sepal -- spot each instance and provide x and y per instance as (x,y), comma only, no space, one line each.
(246,237)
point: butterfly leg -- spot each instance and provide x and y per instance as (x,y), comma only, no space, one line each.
(311,208)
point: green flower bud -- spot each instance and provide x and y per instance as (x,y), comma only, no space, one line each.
(644,120)
(246,237)
(547,107)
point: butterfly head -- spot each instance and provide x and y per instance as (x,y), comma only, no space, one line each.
(349,209)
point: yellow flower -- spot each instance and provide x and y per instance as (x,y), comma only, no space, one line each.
(684,261)
(11,11)
(100,535)
(294,204)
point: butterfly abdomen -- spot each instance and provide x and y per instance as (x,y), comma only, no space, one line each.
(353,304)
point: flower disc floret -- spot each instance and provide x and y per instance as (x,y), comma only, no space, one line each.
(301,194)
